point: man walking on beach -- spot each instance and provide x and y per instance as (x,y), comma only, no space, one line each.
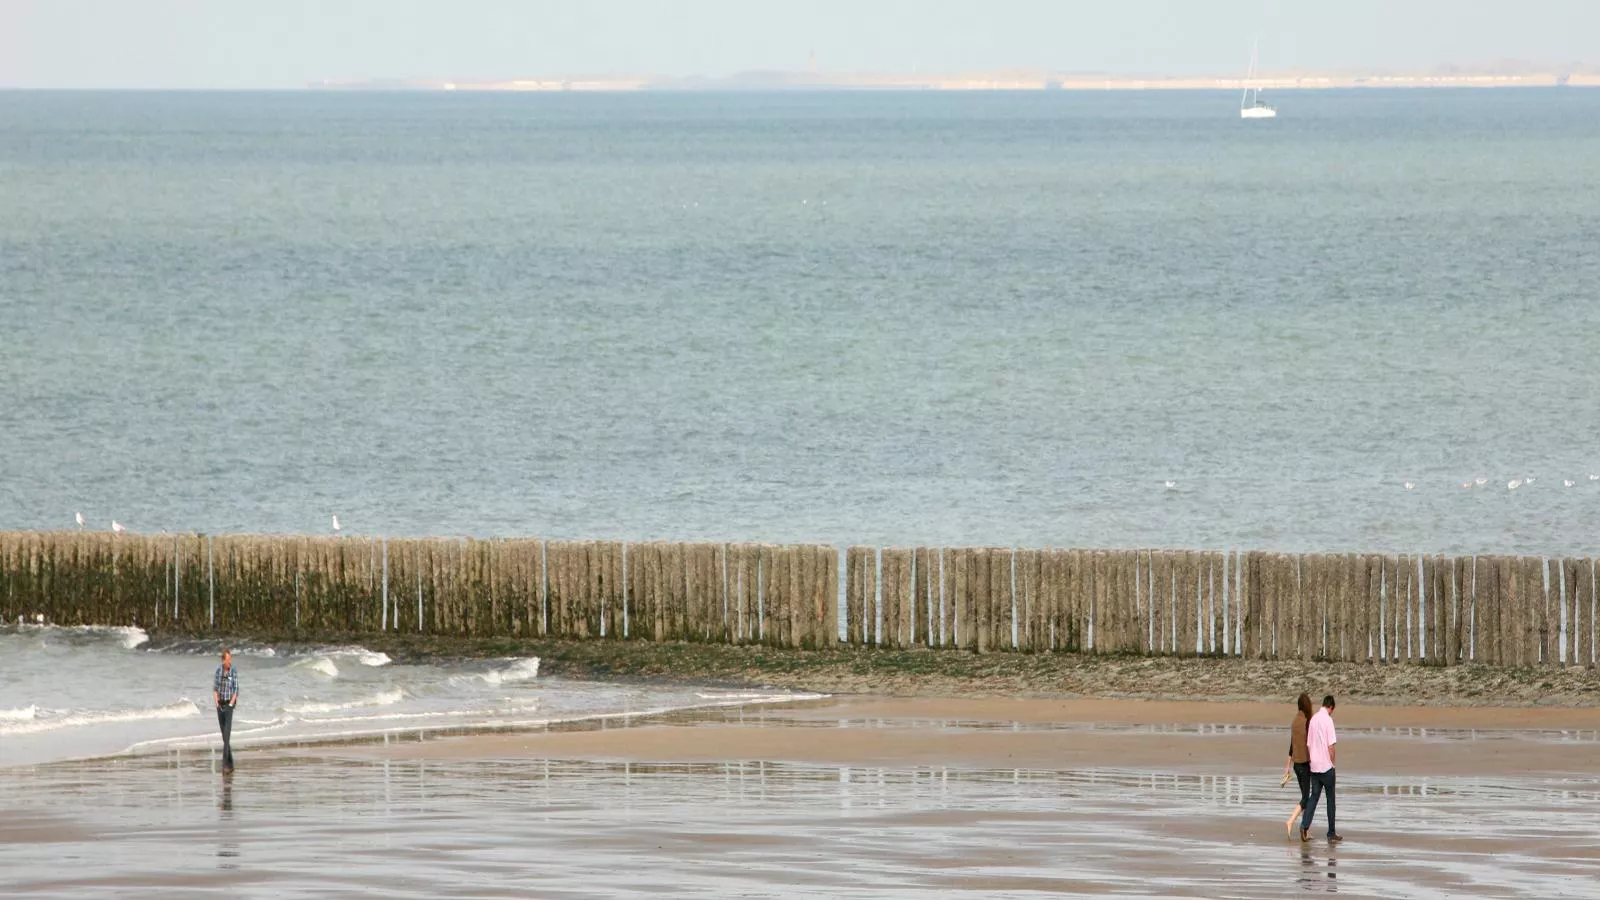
(225,693)
(1320,741)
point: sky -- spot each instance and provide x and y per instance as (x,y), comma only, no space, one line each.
(232,44)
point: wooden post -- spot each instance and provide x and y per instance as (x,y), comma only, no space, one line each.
(1532,600)
(1586,613)
(978,589)
(1545,626)
(947,563)
(1164,603)
(1478,647)
(853,567)
(1573,606)
(1001,599)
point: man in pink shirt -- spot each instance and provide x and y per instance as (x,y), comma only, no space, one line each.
(1320,741)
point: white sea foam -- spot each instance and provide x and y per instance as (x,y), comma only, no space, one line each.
(519,671)
(320,665)
(360,654)
(18,715)
(132,636)
(129,636)
(183,709)
(382,698)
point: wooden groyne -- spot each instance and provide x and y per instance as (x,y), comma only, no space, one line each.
(1381,608)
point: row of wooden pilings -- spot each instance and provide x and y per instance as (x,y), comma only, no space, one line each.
(1499,610)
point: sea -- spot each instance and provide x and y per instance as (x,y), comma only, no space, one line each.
(91,692)
(1121,319)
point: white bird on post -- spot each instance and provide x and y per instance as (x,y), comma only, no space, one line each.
(336,526)
(117,527)
(79,517)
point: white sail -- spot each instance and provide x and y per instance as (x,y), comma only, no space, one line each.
(1251,106)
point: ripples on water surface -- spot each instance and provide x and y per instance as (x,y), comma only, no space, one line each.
(898,318)
(456,828)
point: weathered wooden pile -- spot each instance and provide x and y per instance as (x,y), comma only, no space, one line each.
(1500,610)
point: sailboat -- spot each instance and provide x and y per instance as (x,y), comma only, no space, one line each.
(1251,106)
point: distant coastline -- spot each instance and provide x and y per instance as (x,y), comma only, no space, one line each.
(1500,76)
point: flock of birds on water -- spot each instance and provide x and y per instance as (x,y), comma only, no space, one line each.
(1512,485)
(118,527)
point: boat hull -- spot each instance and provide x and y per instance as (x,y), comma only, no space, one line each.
(1258,112)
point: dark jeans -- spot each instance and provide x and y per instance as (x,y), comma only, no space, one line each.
(1320,781)
(1302,774)
(225,722)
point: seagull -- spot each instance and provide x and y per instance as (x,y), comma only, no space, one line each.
(1467,485)
(1528,480)
(1171,484)
(1480,482)
(38,618)
(79,517)
(1513,484)
(117,527)
(336,526)
(1594,477)
(1568,482)
(1411,485)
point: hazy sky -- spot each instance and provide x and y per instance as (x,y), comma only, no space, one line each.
(287,43)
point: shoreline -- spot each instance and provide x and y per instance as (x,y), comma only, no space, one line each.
(1234,738)
(956,674)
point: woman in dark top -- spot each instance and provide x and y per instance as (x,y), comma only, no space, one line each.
(1299,757)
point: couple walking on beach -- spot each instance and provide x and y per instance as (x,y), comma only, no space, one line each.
(1312,753)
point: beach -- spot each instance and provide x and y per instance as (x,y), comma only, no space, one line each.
(846,796)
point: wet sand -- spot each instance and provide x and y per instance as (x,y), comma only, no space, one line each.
(859,797)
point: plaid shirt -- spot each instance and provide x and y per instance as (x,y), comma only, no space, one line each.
(226,685)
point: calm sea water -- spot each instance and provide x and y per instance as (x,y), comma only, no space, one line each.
(887,318)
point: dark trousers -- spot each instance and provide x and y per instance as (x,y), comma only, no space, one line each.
(1320,781)
(225,722)
(1302,774)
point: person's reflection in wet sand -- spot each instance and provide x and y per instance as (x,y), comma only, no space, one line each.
(1312,878)
(227,829)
